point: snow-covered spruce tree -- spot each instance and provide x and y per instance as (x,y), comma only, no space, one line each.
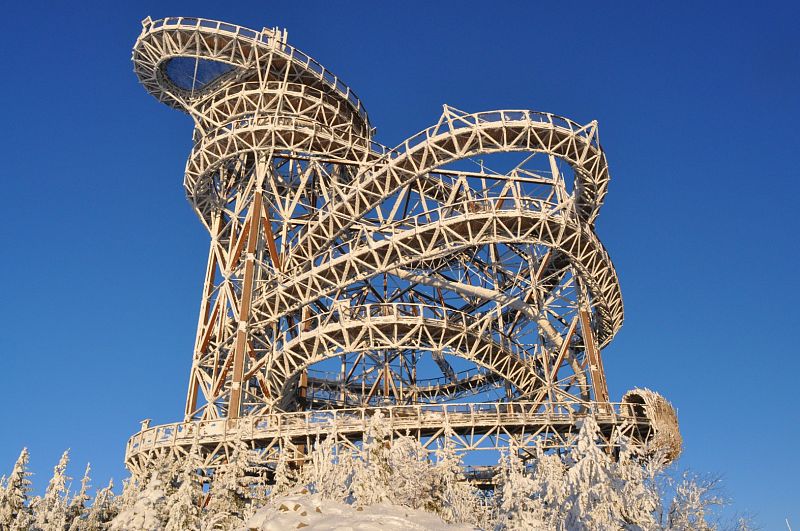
(518,507)
(143,504)
(412,479)
(148,510)
(640,493)
(183,505)
(549,490)
(285,477)
(102,511)
(372,471)
(14,496)
(593,491)
(77,510)
(132,488)
(454,499)
(228,496)
(331,470)
(50,513)
(587,490)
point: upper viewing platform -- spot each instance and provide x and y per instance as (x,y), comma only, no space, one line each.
(181,60)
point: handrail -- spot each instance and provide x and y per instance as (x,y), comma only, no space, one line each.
(397,417)
(471,374)
(268,38)
(247,121)
(467,121)
(474,120)
(610,306)
(444,129)
(309,93)
(425,219)
(395,311)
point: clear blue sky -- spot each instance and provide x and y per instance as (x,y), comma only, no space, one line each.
(699,111)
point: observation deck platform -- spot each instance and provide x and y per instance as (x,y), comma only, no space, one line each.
(471,426)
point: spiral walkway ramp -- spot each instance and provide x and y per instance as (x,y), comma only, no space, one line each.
(454,282)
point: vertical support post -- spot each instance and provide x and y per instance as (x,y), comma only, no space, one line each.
(302,388)
(203,322)
(599,385)
(240,346)
(343,382)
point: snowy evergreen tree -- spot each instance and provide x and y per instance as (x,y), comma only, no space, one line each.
(517,506)
(372,471)
(147,512)
(228,496)
(330,471)
(411,480)
(593,492)
(548,476)
(76,513)
(50,513)
(132,488)
(285,477)
(454,499)
(183,506)
(15,493)
(23,522)
(640,494)
(102,511)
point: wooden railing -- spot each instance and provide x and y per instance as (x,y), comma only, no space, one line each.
(397,418)
(265,37)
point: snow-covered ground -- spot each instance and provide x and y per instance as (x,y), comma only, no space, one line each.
(310,512)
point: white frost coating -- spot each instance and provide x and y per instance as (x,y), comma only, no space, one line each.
(14,494)
(662,417)
(595,487)
(311,512)
(147,512)
(50,513)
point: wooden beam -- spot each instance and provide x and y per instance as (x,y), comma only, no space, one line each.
(593,355)
(562,352)
(234,404)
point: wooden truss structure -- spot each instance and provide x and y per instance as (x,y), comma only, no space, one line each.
(345,277)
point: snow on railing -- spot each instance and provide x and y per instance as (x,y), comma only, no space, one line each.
(451,123)
(268,38)
(355,420)
(252,89)
(446,127)
(395,311)
(428,218)
(472,374)
(248,121)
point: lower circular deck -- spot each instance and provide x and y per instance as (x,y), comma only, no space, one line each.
(471,427)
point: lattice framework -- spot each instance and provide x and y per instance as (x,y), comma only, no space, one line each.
(345,276)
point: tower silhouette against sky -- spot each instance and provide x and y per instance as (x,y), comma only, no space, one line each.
(453,282)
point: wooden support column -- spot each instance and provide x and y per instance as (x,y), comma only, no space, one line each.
(240,346)
(302,387)
(343,381)
(204,325)
(599,385)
